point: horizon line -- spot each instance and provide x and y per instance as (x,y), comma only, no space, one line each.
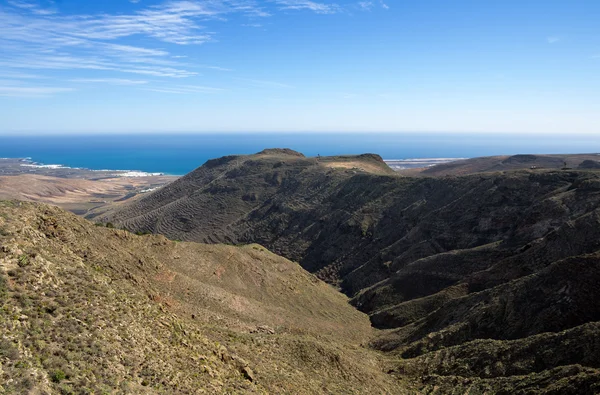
(291,132)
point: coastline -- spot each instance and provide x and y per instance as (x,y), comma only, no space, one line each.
(418,163)
(86,192)
(28,162)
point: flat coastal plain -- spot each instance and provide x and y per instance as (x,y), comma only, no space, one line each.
(81,191)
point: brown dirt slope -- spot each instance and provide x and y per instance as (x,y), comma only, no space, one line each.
(82,196)
(87,309)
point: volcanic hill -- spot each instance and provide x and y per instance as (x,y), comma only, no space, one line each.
(481,282)
(489,164)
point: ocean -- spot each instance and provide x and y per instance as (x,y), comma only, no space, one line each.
(178,154)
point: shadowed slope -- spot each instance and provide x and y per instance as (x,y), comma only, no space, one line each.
(438,262)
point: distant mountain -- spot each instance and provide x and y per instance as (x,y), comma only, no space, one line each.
(467,274)
(507,163)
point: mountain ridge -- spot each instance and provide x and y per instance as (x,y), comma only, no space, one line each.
(433,261)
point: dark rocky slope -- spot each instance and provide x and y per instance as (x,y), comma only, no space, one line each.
(440,262)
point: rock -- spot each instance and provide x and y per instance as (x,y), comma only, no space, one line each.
(248,373)
(224,354)
(263,329)
(241,363)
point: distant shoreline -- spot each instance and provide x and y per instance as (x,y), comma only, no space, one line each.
(181,154)
(28,162)
(418,163)
(80,190)
(12,166)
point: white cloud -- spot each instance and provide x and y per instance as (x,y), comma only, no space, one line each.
(55,42)
(36,37)
(34,41)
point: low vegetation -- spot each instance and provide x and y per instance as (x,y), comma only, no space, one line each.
(439,264)
(87,309)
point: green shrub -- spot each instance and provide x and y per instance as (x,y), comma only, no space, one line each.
(23,260)
(8,350)
(3,287)
(57,376)
(24,300)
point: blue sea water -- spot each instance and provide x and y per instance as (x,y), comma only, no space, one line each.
(180,153)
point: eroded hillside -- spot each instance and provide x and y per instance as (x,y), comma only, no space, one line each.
(453,268)
(87,309)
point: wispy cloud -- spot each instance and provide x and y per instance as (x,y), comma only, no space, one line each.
(68,62)
(31,92)
(552,39)
(91,43)
(369,5)
(35,36)
(33,7)
(211,67)
(185,89)
(19,75)
(365,5)
(320,8)
(265,83)
(111,81)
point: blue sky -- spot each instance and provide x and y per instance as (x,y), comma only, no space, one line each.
(527,66)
